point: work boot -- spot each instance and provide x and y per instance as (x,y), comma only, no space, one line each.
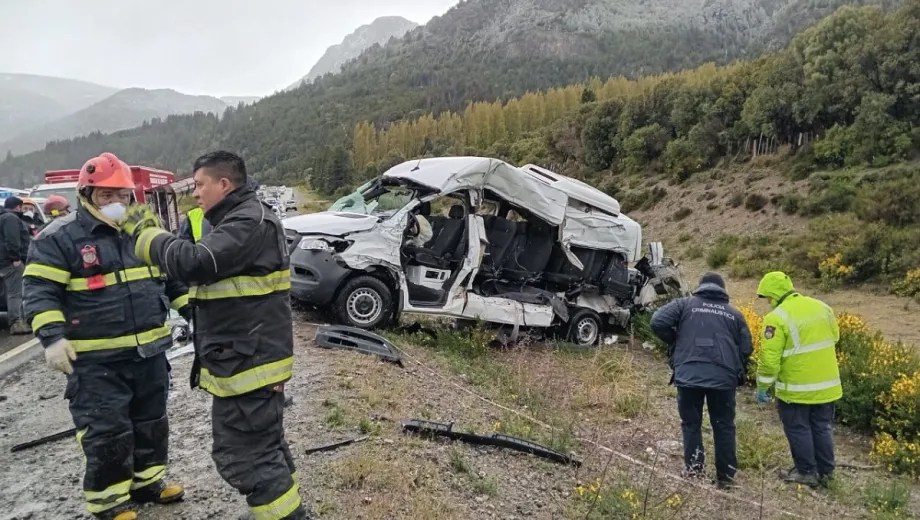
(158,493)
(20,327)
(825,480)
(726,484)
(795,477)
(125,511)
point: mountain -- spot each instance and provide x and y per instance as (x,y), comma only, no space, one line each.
(27,100)
(236,100)
(126,108)
(478,50)
(377,32)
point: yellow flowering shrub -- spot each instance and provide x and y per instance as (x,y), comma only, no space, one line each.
(613,502)
(755,323)
(909,287)
(834,272)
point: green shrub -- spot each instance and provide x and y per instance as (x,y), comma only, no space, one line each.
(888,500)
(758,449)
(681,214)
(721,252)
(736,200)
(789,203)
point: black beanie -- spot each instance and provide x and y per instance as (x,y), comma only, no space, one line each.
(12,202)
(714,278)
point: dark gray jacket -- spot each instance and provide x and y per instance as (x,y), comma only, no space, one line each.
(709,341)
(14,238)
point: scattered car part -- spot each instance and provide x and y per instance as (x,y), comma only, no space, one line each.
(44,440)
(351,338)
(173,353)
(335,445)
(436,429)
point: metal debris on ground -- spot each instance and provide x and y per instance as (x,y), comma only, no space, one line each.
(335,445)
(350,338)
(44,440)
(436,429)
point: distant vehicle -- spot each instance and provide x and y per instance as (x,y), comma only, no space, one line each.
(290,205)
(64,183)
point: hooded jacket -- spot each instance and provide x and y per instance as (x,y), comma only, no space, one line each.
(798,350)
(14,238)
(709,341)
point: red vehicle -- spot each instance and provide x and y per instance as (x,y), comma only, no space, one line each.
(64,182)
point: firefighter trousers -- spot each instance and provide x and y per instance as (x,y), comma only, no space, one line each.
(119,410)
(251,454)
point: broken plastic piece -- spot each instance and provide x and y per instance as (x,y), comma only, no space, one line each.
(350,338)
(496,439)
(335,445)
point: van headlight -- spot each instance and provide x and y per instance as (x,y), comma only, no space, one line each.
(314,244)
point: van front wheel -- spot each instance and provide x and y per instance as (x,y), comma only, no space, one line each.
(364,302)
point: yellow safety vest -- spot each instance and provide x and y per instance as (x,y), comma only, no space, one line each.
(195,218)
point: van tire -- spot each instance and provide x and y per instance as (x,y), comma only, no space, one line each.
(364,302)
(585,328)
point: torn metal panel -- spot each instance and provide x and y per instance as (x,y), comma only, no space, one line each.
(597,230)
(436,429)
(350,338)
(496,309)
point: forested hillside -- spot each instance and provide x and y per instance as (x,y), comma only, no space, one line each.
(840,107)
(479,50)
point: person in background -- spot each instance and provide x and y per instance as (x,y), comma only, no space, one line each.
(32,219)
(56,207)
(14,249)
(798,358)
(709,348)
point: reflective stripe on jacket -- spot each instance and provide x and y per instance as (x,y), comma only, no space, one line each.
(83,282)
(239,280)
(798,352)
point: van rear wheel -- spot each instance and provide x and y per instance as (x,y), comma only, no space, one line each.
(585,328)
(364,302)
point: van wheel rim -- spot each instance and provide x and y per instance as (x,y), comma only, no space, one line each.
(586,331)
(364,306)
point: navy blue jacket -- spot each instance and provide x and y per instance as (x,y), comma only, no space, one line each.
(84,283)
(709,341)
(14,238)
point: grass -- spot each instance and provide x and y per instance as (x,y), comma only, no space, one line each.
(888,499)
(481,484)
(335,416)
(759,448)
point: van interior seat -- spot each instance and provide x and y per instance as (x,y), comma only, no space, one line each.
(531,253)
(446,243)
(500,233)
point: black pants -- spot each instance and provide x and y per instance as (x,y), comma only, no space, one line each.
(721,404)
(12,282)
(252,456)
(119,410)
(810,431)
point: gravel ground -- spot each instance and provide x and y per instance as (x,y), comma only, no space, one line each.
(365,480)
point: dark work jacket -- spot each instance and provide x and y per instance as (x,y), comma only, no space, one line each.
(14,238)
(239,283)
(83,282)
(709,340)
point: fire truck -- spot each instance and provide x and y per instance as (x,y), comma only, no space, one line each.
(64,182)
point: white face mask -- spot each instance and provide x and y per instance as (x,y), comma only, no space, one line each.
(114,211)
(28,214)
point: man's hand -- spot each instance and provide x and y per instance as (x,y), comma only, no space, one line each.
(762,397)
(59,356)
(138,218)
(17,263)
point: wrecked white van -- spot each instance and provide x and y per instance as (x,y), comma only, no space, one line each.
(478,239)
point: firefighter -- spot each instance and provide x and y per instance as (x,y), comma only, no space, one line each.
(56,207)
(100,313)
(798,359)
(32,220)
(239,280)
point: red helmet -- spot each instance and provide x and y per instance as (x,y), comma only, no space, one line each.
(105,171)
(55,205)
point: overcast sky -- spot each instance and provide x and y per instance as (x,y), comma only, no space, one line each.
(216,47)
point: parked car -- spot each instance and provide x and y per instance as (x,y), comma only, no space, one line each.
(522,247)
(290,205)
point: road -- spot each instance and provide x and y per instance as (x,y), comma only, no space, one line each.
(8,342)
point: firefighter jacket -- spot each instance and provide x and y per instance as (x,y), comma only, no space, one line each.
(798,349)
(82,282)
(239,284)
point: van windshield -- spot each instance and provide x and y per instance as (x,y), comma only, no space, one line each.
(68,193)
(374,198)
